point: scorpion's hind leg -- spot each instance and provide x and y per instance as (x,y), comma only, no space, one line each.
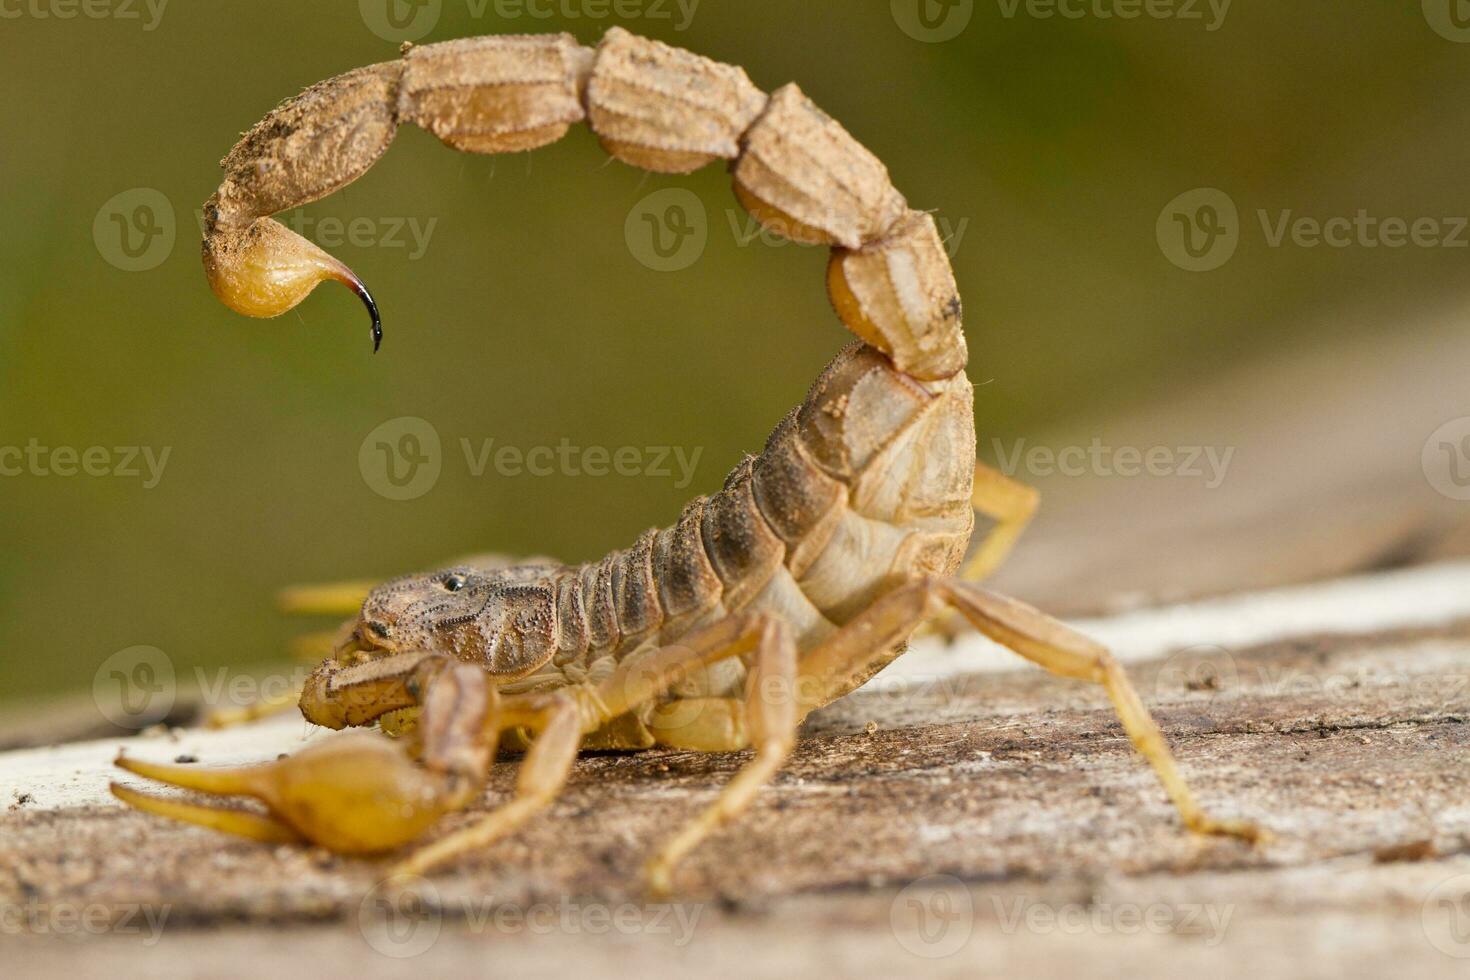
(354,793)
(264,707)
(826,670)
(1009,505)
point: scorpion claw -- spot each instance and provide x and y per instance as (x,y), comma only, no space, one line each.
(355,793)
(241,823)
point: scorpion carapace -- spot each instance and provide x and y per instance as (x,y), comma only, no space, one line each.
(792,585)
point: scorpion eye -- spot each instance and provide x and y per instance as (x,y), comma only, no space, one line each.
(453,583)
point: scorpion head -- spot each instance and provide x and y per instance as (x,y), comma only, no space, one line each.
(503,620)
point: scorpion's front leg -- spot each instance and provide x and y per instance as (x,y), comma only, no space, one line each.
(356,793)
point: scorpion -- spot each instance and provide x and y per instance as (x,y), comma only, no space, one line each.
(796,582)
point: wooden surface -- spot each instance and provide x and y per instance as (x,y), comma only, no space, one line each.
(1011,799)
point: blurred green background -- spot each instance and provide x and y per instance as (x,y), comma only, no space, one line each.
(1049,145)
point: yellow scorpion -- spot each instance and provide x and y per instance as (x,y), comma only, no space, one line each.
(793,585)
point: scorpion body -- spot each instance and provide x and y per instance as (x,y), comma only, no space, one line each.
(799,579)
(861,488)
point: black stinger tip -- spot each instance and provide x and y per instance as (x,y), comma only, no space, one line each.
(372,308)
(367,300)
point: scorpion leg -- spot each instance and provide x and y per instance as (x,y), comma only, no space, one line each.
(1010,504)
(1025,631)
(264,707)
(543,773)
(561,722)
(355,793)
(766,719)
